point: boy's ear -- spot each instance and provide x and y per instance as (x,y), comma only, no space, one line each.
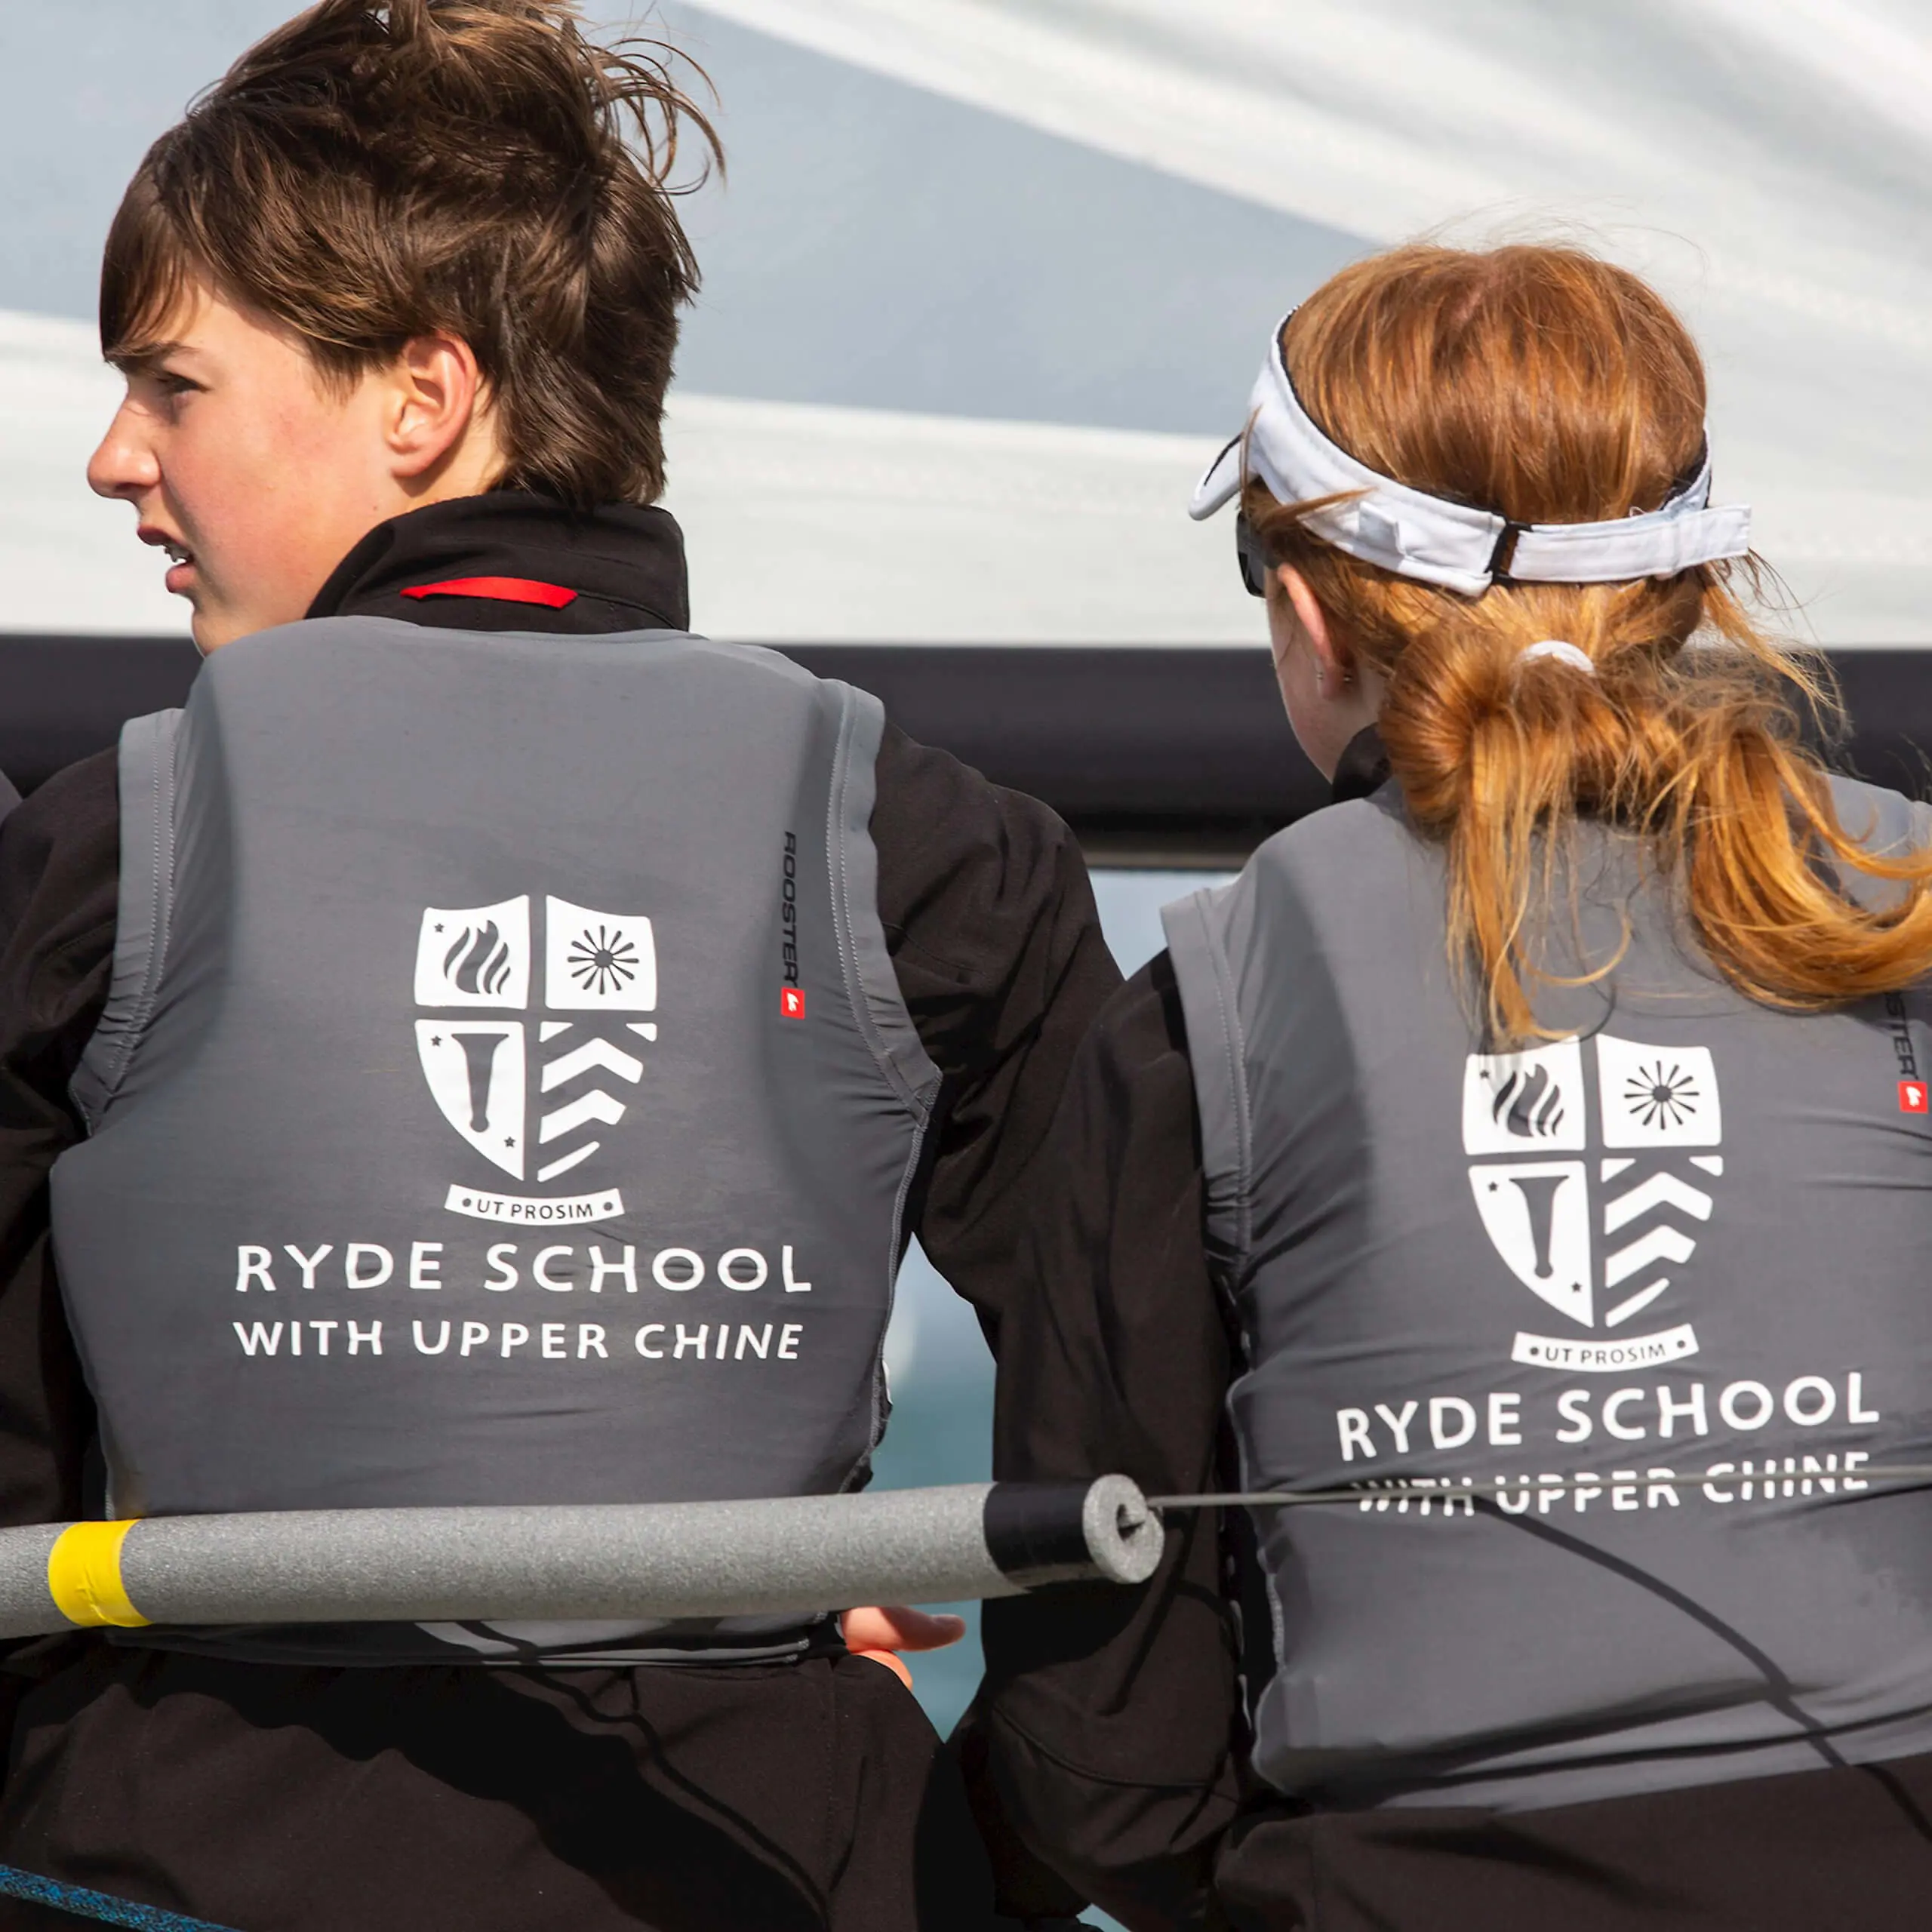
(437,408)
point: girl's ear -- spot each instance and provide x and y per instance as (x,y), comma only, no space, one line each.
(1331,661)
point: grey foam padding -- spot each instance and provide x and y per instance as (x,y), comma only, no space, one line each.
(603,1560)
(26,1609)
(1124,1535)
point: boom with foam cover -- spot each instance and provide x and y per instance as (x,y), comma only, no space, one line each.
(586,1561)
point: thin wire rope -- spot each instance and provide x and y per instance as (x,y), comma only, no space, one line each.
(1448,1489)
(79,1902)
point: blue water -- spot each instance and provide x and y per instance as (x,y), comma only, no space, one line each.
(941,1374)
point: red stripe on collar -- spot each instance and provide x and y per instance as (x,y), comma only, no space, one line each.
(498,589)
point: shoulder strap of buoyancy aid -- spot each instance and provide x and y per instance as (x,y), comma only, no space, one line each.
(147,779)
(1196,928)
(879,1006)
(1888,826)
(145,898)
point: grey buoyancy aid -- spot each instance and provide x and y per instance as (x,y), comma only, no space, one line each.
(504,1094)
(1689,1235)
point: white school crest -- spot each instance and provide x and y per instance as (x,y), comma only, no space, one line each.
(535,1105)
(1599,1266)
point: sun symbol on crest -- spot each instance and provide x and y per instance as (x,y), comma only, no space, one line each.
(1658,1097)
(603,963)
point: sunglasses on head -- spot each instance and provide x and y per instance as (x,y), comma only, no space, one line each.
(1248,554)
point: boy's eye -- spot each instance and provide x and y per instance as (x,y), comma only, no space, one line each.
(171,384)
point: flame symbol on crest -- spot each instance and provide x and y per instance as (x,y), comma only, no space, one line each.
(1532,1102)
(479,962)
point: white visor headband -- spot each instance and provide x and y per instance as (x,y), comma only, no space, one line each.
(1436,541)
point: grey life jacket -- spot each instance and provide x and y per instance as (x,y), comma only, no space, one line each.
(504,1095)
(1690,1234)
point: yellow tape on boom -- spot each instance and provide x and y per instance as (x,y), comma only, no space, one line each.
(84,1576)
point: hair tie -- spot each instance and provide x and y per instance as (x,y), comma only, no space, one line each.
(1566,653)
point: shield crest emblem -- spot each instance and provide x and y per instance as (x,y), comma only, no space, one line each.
(532,1102)
(1596,1260)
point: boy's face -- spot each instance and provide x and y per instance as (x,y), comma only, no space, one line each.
(256,476)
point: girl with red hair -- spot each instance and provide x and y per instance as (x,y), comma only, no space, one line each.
(1529,1154)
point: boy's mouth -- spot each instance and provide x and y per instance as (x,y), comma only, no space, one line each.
(181,560)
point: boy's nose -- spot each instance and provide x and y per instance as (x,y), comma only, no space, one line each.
(123,465)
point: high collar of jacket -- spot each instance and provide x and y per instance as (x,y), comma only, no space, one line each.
(1363,768)
(625,564)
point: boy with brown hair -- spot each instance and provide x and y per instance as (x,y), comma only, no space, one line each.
(396,304)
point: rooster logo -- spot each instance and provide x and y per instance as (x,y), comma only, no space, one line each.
(474,968)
